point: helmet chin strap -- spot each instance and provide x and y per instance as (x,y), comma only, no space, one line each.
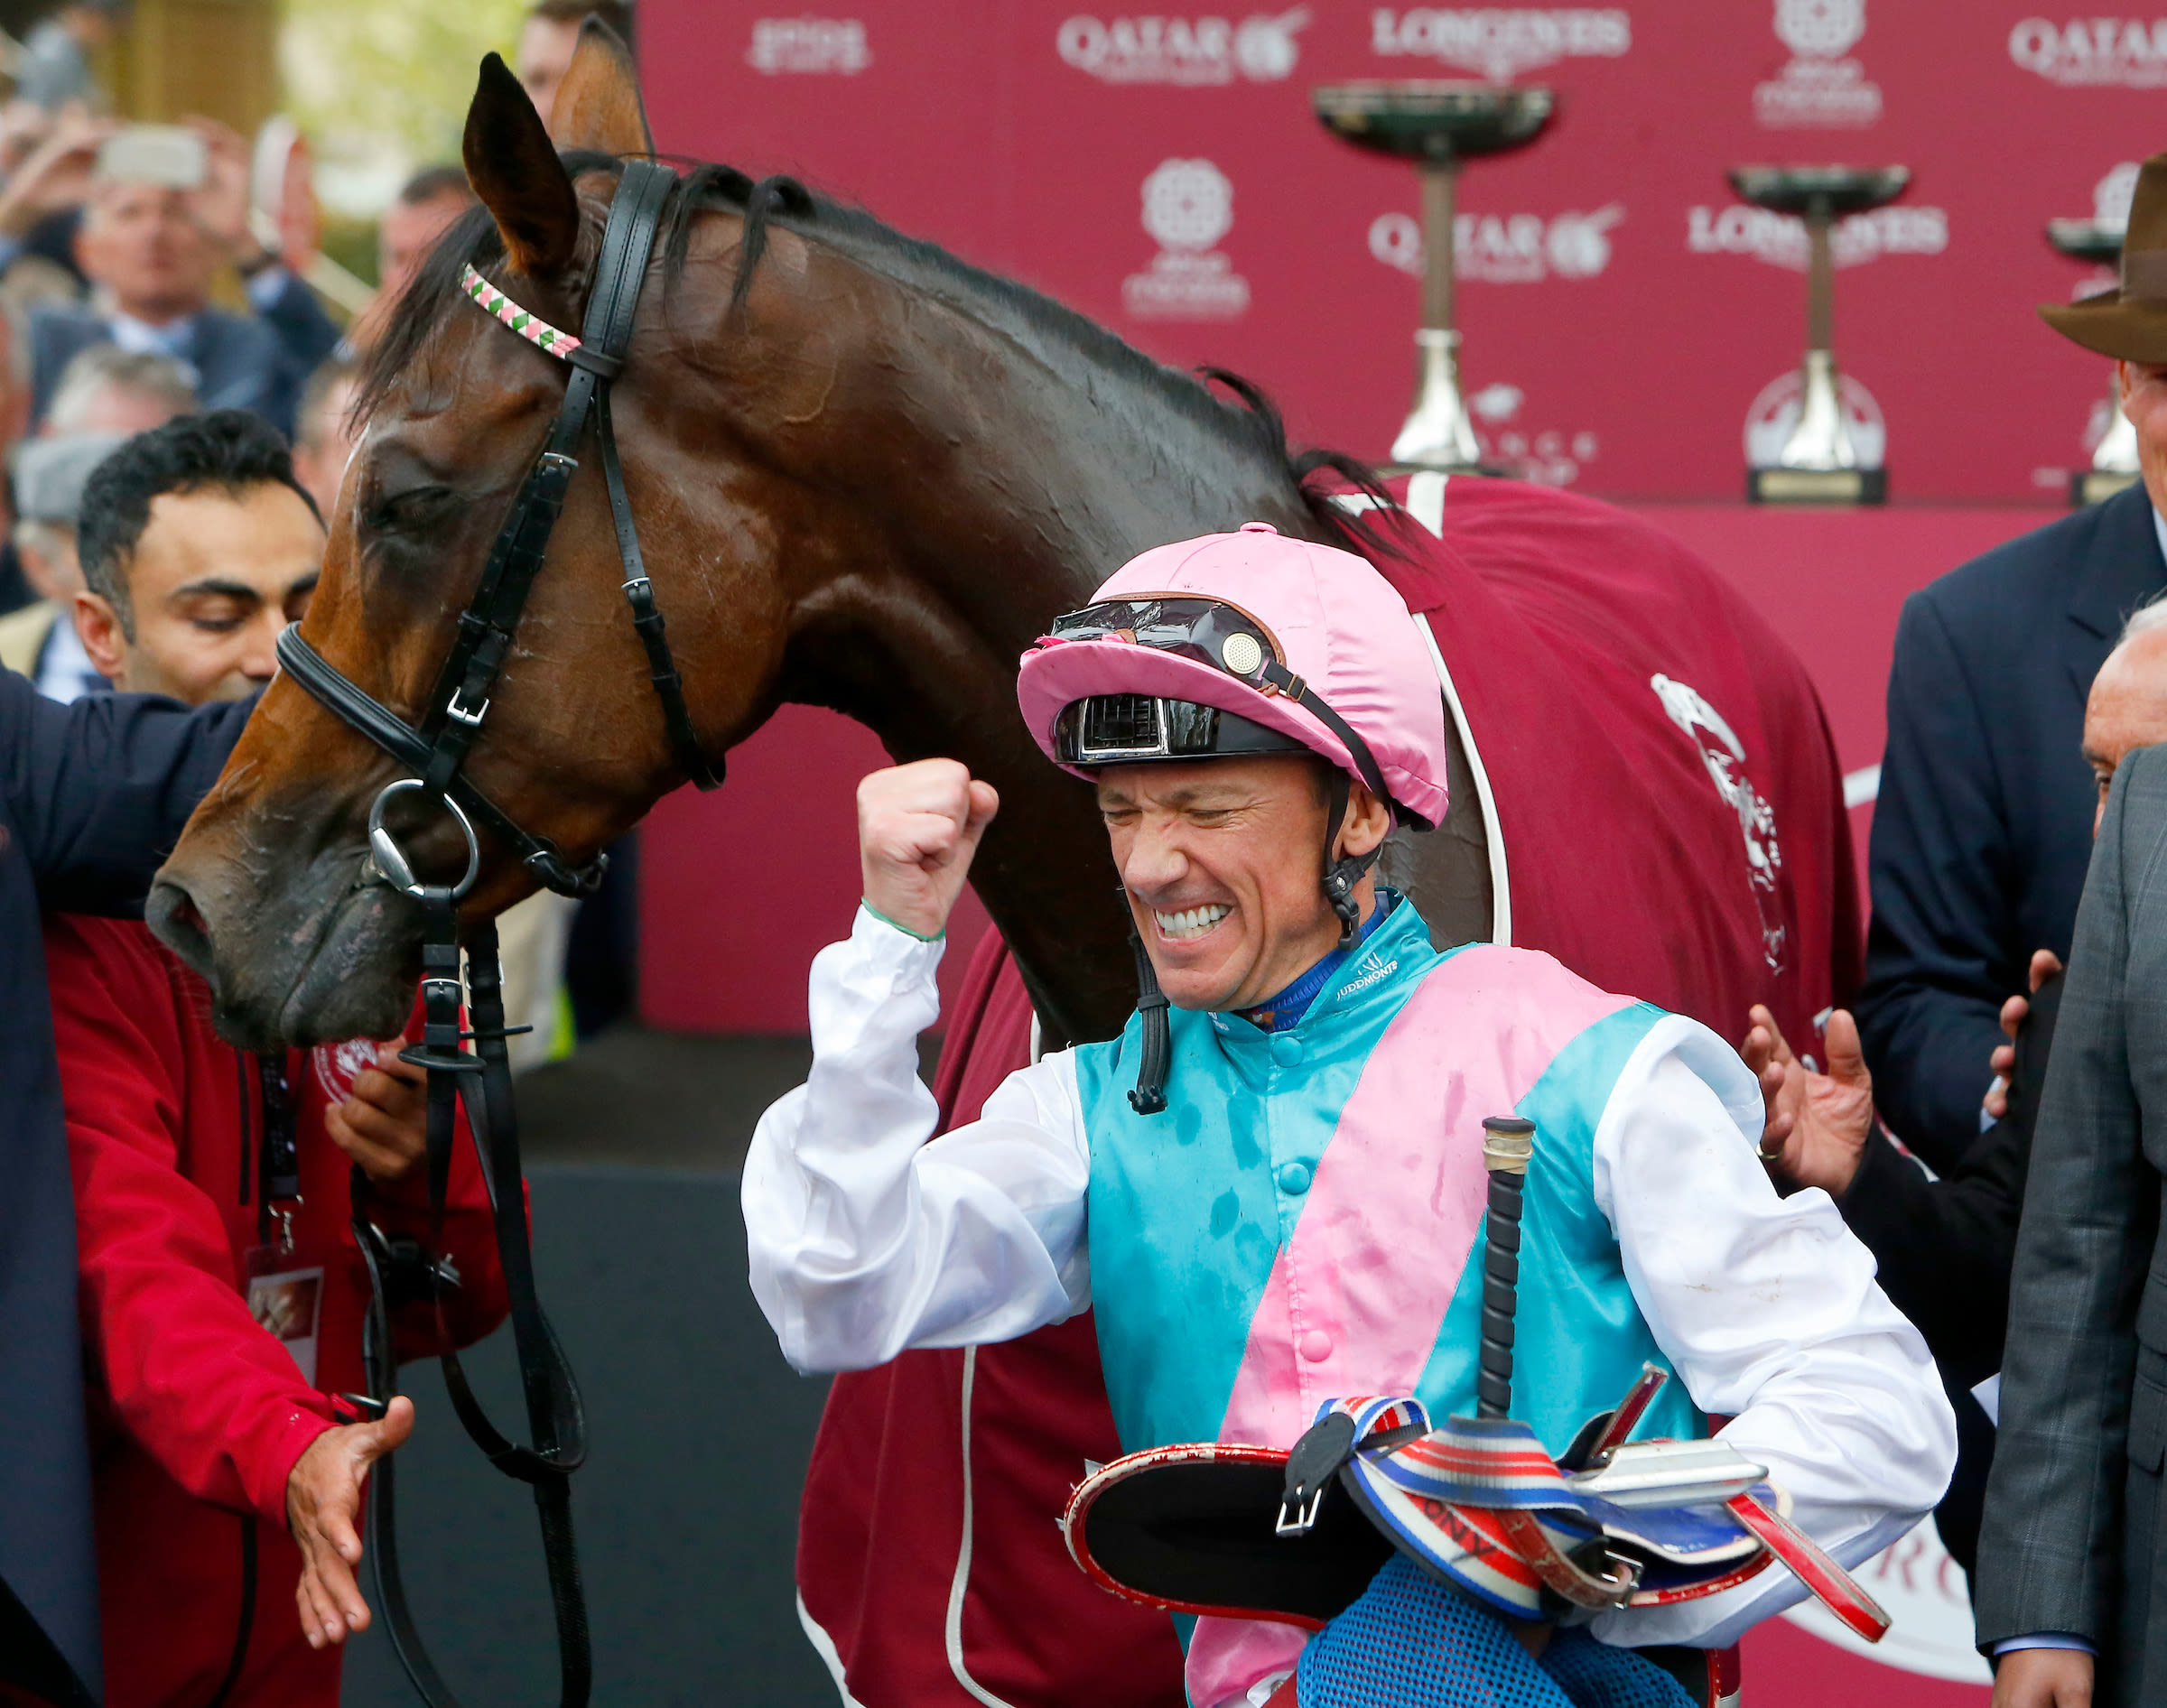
(1341,875)
(1149,1097)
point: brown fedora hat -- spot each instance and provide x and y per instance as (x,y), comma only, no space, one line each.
(2129,322)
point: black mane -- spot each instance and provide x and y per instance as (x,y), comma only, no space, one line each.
(1251,421)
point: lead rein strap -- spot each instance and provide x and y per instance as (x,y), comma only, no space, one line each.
(556,1415)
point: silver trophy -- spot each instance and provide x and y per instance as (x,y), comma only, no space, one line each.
(2114,458)
(1437,125)
(1818,463)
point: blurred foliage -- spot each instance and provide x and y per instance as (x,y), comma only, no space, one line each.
(387,82)
(352,244)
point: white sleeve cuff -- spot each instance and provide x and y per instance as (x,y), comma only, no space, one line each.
(2045,1640)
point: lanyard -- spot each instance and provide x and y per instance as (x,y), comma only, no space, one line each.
(278,1156)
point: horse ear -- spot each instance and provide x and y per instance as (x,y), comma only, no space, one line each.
(597,104)
(513,167)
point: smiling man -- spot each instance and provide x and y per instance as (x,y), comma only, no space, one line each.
(198,546)
(1267,1188)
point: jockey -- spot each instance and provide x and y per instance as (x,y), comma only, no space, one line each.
(1269,1187)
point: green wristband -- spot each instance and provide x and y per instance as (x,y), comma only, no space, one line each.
(898,924)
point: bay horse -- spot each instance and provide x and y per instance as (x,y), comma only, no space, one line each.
(865,476)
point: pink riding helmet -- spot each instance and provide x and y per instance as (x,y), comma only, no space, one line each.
(1336,625)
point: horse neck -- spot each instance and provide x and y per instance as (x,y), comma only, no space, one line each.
(1054,485)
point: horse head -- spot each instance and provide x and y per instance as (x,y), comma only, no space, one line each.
(270,893)
(863,475)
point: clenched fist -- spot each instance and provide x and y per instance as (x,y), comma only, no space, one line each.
(918,826)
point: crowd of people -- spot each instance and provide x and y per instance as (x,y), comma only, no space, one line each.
(176,410)
(1944,1201)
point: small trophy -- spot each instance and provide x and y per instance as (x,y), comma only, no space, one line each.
(1435,125)
(1818,464)
(2114,458)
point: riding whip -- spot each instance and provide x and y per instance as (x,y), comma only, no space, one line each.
(1508,1143)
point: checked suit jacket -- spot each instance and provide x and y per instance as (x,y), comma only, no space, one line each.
(2072,1539)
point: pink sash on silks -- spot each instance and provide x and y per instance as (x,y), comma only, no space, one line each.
(1382,1311)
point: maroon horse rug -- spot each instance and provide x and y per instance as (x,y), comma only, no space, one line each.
(1663,812)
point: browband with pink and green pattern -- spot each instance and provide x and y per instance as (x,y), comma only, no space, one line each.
(533,327)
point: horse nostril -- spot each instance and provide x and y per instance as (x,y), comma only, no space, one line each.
(174,918)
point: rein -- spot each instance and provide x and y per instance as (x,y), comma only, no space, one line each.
(435,751)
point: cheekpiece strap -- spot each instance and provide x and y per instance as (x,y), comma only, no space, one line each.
(549,340)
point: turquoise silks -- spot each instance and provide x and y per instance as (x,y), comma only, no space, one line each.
(1216,1321)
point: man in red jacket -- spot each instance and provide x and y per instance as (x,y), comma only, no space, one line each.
(222,1293)
(221,1315)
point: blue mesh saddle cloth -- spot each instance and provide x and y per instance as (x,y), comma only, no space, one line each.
(1409,1641)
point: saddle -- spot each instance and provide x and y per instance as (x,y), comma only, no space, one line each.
(1249,1532)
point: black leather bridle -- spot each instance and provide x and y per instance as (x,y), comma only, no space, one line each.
(435,751)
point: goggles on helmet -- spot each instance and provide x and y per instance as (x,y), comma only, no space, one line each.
(1205,630)
(1115,728)
(1119,728)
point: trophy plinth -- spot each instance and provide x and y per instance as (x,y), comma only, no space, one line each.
(1818,463)
(2113,464)
(1436,125)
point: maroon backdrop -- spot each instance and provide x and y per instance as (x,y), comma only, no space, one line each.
(1622,314)
(1626,323)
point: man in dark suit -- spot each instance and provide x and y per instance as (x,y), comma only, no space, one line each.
(2069,1569)
(92,795)
(149,251)
(1979,847)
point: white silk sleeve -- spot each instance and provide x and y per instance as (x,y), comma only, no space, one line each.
(864,1238)
(1768,1309)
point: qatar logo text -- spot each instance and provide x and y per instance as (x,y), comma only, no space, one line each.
(1183,50)
(1500,42)
(1506,249)
(1188,207)
(2126,52)
(808,47)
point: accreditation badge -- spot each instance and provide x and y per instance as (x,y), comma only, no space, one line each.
(287,1304)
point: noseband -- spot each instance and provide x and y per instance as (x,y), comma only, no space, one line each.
(437,751)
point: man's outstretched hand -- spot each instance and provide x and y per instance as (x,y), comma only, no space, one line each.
(1817,1124)
(918,826)
(323,1499)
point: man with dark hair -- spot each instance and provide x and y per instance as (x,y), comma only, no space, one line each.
(550,36)
(198,544)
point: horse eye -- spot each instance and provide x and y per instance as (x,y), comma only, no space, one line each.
(412,511)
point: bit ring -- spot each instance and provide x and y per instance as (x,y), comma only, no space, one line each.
(389,861)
